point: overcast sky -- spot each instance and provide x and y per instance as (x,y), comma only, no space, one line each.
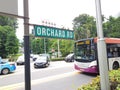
(62,12)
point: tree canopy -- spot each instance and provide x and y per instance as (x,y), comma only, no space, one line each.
(85,26)
(42,45)
(112,27)
(9,44)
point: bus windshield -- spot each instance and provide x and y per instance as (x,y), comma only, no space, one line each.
(84,52)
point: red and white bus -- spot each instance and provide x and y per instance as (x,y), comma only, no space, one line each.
(86,57)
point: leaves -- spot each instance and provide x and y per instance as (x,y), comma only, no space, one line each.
(8,39)
(84,26)
(38,46)
(114,77)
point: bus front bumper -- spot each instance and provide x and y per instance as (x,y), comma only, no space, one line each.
(92,69)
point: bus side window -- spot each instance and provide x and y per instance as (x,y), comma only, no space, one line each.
(109,51)
(115,53)
(109,54)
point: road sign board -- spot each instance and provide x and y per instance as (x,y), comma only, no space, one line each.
(9,6)
(52,32)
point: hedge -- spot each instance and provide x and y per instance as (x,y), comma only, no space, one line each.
(114,78)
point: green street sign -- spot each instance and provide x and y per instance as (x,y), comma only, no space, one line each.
(52,32)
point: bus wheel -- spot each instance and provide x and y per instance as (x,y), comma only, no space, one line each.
(115,65)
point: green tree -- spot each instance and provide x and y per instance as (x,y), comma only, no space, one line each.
(66,46)
(9,21)
(54,44)
(36,46)
(84,26)
(7,31)
(3,36)
(39,45)
(12,43)
(112,27)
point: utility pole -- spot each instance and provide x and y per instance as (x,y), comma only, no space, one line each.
(45,45)
(26,46)
(58,48)
(26,40)
(102,55)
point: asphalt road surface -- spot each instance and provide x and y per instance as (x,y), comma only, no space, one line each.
(58,76)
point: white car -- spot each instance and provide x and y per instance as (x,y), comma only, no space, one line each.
(20,60)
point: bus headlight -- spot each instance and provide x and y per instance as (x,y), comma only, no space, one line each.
(93,63)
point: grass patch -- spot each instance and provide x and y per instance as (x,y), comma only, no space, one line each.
(13,58)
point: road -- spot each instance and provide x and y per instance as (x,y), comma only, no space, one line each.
(58,76)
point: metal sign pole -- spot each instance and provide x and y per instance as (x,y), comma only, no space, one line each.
(102,55)
(26,46)
(26,42)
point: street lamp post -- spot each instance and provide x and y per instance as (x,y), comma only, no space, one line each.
(102,55)
(45,45)
(58,48)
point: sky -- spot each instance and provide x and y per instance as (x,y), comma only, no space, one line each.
(62,12)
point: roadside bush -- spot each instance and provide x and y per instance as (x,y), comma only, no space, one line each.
(114,77)
(13,58)
(93,85)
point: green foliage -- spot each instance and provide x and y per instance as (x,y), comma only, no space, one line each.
(12,43)
(13,58)
(3,35)
(57,59)
(84,26)
(39,45)
(111,27)
(114,78)
(66,46)
(118,87)
(8,39)
(36,46)
(94,85)
(9,21)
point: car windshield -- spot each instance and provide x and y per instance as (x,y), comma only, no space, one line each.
(3,61)
(69,55)
(42,59)
(45,55)
(21,58)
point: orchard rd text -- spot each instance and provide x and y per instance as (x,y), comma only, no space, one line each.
(52,32)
